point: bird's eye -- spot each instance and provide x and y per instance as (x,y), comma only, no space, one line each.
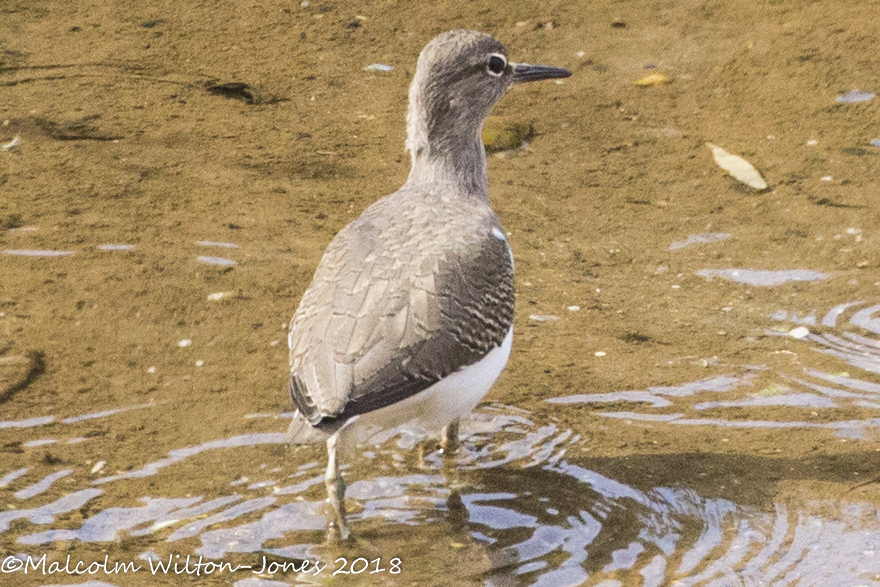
(496,64)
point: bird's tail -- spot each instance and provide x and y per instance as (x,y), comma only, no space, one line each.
(301,432)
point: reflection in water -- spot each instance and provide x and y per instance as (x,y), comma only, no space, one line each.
(856,350)
(36,253)
(219,244)
(178,455)
(797,398)
(45,514)
(12,476)
(853,348)
(27,423)
(655,395)
(698,239)
(212,260)
(116,247)
(40,442)
(763,278)
(537,518)
(104,413)
(521,502)
(773,395)
(43,485)
(43,420)
(92,583)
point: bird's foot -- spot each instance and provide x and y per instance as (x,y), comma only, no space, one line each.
(338,525)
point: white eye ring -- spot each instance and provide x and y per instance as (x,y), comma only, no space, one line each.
(496,65)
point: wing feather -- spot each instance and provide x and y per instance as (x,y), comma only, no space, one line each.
(396,306)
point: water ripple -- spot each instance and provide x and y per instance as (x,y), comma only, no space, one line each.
(178,455)
(763,278)
(42,485)
(537,518)
(698,239)
(46,514)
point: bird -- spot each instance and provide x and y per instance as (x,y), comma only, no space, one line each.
(408,320)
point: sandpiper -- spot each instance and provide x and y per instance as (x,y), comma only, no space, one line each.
(408,320)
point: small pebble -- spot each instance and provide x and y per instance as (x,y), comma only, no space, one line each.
(574,308)
(799,332)
(151,370)
(543,318)
(826,178)
(812,143)
(99,466)
(217,296)
(184,343)
(200,363)
(600,353)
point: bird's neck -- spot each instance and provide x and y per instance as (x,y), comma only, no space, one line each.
(457,161)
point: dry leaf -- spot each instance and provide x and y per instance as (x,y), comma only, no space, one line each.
(652,79)
(738,168)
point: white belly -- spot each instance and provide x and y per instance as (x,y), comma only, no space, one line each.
(430,410)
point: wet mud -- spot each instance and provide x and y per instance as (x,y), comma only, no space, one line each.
(693,396)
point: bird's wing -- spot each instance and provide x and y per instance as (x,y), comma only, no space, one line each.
(389,313)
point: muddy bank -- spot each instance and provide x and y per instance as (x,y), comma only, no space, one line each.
(225,145)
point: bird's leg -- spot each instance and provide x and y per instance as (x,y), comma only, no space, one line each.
(335,490)
(449,446)
(449,438)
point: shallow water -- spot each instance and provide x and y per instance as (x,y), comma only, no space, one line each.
(693,396)
(518,505)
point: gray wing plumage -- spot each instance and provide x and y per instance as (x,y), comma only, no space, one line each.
(396,306)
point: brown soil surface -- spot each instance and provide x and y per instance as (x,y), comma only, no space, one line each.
(125,138)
